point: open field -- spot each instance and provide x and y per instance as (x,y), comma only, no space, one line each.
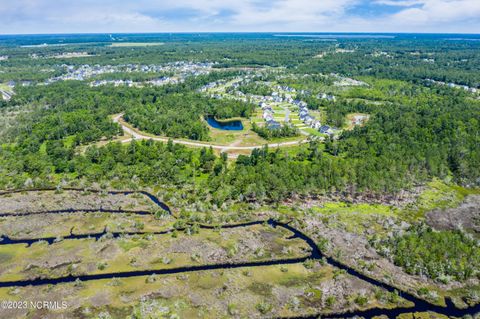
(254,292)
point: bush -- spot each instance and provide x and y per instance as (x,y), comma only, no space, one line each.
(264,307)
(440,255)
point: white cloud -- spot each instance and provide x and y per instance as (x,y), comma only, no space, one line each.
(399,3)
(437,12)
(54,16)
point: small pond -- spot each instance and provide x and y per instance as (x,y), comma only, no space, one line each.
(233,125)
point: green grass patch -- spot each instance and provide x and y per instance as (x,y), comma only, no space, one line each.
(342,208)
(313,131)
(440,195)
(5,257)
(128,244)
(355,218)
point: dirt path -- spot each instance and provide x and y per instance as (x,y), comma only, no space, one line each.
(138,135)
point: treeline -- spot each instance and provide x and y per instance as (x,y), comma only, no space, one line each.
(434,136)
(267,133)
(440,255)
(72,109)
(255,89)
(180,115)
(448,61)
(401,146)
(411,59)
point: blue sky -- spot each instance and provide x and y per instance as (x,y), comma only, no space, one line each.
(98,16)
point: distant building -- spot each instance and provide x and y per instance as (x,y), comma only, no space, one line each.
(273,125)
(308,119)
(325,129)
(359,119)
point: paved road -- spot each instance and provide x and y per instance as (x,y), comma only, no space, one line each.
(139,136)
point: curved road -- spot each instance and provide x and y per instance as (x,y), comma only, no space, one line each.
(137,135)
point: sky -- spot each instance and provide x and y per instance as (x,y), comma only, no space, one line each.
(118,16)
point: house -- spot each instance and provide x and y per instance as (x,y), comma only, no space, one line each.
(331,98)
(316,125)
(268,109)
(303,109)
(308,120)
(303,114)
(328,97)
(273,125)
(359,119)
(325,129)
(267,116)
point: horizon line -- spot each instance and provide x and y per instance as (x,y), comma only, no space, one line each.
(239,32)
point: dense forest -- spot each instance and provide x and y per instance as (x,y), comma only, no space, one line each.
(255,89)
(267,133)
(441,255)
(415,132)
(180,115)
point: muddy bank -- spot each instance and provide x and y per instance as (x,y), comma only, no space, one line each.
(77,200)
(466,216)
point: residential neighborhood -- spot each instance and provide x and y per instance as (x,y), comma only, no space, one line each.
(281,107)
(180,69)
(454,85)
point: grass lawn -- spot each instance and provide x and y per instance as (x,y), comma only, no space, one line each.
(5,88)
(313,131)
(245,137)
(278,109)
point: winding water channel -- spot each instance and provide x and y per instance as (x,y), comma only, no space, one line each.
(419,304)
